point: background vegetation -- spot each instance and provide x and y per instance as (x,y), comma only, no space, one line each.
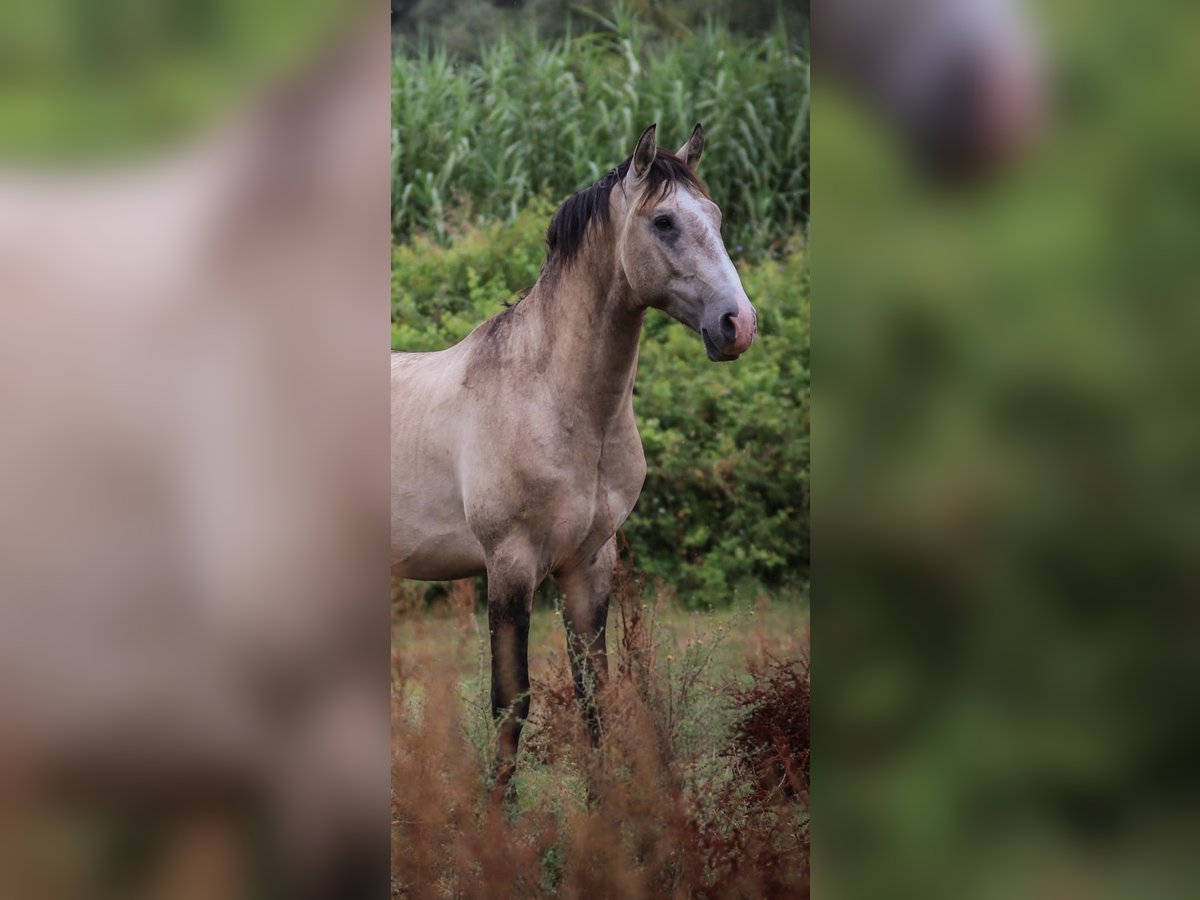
(464,26)
(485,145)
(534,119)
(82,80)
(1008,492)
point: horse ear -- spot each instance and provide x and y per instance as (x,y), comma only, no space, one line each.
(690,152)
(644,153)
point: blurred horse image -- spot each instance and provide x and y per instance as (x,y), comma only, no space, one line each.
(960,81)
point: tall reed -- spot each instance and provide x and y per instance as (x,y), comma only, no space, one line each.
(530,119)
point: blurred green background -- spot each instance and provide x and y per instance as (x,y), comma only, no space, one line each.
(85,80)
(493,128)
(1008,482)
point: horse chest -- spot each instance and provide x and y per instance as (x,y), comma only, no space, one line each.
(598,499)
(557,482)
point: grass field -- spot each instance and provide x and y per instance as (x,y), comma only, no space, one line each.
(699,787)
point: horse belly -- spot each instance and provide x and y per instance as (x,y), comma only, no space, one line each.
(430,537)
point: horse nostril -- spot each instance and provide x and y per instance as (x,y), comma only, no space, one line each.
(728,328)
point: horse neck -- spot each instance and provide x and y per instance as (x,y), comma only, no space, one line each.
(591,326)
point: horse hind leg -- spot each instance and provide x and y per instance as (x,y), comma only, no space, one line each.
(586,588)
(511,582)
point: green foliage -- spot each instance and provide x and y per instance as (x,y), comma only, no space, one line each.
(725,506)
(484,138)
(1009,449)
(459,24)
(82,79)
(440,293)
(726,498)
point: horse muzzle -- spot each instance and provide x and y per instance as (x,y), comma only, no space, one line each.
(729,330)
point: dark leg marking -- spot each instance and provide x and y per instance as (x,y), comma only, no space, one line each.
(589,661)
(509,626)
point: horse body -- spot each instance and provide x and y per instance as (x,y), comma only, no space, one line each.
(516,453)
(480,460)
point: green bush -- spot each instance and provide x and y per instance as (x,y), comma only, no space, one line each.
(481,139)
(725,506)
(102,81)
(726,498)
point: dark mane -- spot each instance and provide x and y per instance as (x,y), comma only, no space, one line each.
(569,227)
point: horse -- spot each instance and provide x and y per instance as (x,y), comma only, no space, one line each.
(962,84)
(206,663)
(516,454)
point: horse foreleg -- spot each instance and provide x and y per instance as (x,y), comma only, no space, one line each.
(586,588)
(510,597)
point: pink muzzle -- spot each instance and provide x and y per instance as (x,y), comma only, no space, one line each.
(745,324)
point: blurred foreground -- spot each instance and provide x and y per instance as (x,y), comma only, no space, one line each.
(193,590)
(1006,495)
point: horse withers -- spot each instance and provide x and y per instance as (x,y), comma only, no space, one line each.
(515,453)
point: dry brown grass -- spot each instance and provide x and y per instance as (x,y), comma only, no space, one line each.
(676,800)
(770,739)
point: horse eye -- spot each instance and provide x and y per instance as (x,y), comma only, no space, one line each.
(663,223)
